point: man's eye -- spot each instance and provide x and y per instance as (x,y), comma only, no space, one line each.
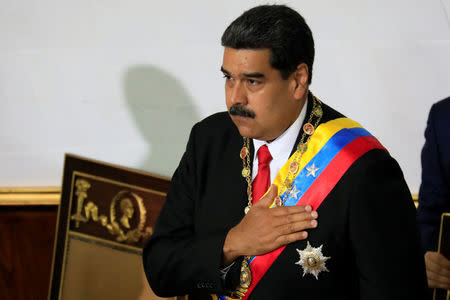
(227,77)
(253,82)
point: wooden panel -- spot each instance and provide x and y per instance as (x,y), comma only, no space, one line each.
(26,249)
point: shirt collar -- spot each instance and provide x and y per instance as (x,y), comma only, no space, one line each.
(285,142)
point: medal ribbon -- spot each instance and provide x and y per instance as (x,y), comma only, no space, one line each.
(333,148)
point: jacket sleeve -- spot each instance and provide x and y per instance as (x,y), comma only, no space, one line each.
(176,260)
(383,232)
(434,191)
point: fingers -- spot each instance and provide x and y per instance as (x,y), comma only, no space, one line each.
(283,211)
(293,227)
(438,266)
(436,280)
(291,238)
(438,270)
(438,260)
(297,226)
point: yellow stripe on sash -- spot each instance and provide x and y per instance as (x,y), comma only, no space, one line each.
(320,137)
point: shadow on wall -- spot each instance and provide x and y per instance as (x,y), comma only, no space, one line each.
(164,113)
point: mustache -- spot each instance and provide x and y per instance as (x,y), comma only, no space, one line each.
(239,110)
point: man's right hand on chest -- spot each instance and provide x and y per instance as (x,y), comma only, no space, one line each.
(265,229)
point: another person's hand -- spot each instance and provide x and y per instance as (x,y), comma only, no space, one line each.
(265,229)
(438,270)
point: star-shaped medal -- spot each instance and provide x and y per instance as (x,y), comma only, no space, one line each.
(312,170)
(312,260)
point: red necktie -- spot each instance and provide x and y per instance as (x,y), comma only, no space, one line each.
(261,183)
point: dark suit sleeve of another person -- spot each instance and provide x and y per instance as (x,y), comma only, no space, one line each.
(434,194)
(178,260)
(383,231)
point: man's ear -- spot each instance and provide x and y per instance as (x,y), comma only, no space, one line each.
(300,81)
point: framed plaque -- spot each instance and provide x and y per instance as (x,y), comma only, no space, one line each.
(106,214)
(444,249)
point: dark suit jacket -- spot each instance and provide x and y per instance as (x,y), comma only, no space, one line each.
(366,225)
(434,194)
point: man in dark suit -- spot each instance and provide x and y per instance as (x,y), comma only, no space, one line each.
(434,194)
(338,221)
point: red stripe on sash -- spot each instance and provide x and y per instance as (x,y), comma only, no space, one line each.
(260,268)
(329,177)
(316,193)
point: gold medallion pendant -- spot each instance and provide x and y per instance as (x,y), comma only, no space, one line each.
(317,111)
(245,172)
(302,147)
(308,128)
(293,167)
(287,183)
(246,276)
(244,152)
(312,260)
(245,279)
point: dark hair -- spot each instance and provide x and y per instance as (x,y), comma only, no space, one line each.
(278,28)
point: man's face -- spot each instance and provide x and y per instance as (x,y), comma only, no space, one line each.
(265,103)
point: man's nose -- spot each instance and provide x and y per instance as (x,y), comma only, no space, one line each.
(238,94)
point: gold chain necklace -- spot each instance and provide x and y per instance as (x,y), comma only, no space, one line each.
(308,131)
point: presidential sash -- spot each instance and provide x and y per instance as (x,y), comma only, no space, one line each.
(332,149)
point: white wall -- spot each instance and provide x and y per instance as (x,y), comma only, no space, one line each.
(123,81)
